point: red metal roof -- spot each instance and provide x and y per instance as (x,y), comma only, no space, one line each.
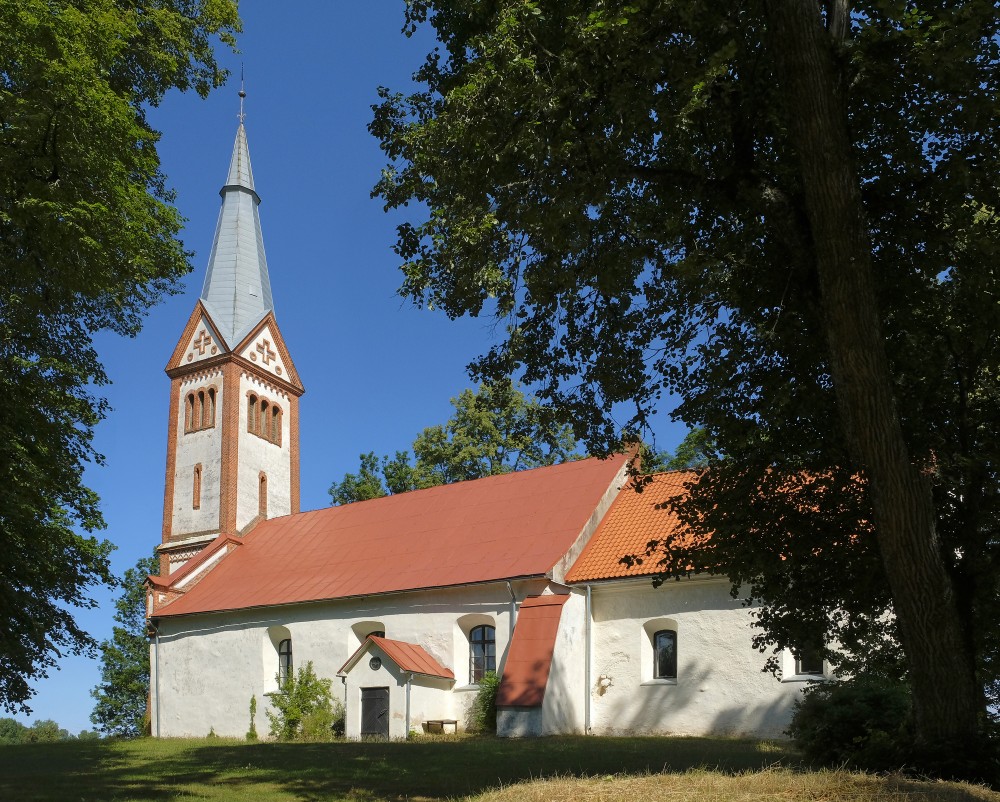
(526,672)
(633,521)
(407,656)
(517,524)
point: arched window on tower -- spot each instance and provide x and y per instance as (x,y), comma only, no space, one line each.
(196,491)
(275,425)
(189,413)
(210,417)
(262,497)
(200,418)
(252,413)
(263,420)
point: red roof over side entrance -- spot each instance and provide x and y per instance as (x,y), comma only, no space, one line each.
(526,672)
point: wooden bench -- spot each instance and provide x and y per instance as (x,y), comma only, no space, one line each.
(441,725)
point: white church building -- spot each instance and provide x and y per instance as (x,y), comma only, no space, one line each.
(407,601)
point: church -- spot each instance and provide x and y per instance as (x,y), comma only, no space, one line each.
(407,601)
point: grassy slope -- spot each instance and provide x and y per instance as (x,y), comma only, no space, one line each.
(435,769)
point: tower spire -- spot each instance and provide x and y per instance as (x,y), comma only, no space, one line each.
(237,289)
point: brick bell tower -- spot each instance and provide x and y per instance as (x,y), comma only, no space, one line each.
(233,432)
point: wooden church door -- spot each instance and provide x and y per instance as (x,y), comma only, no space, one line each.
(375,713)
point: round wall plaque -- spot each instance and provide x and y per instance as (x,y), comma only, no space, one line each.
(375,663)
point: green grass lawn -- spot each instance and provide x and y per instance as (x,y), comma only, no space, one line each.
(427,769)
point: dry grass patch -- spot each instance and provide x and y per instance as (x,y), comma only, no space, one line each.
(779,785)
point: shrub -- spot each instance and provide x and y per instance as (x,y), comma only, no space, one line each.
(252,732)
(304,708)
(483,714)
(862,722)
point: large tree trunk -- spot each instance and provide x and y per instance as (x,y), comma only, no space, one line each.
(945,692)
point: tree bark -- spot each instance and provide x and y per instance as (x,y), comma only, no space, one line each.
(942,669)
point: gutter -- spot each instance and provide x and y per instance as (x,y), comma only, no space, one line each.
(409,683)
(156,662)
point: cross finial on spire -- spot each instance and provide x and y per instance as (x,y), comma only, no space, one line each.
(243,94)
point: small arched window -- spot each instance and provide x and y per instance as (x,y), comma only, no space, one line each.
(482,652)
(262,497)
(275,425)
(665,654)
(196,492)
(263,420)
(252,413)
(210,417)
(284,661)
(189,413)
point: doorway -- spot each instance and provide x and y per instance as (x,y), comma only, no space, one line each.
(375,713)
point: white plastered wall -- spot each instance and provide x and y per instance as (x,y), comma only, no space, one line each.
(721,687)
(257,454)
(211,664)
(193,448)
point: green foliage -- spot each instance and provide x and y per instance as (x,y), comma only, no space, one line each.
(494,429)
(696,450)
(88,241)
(483,712)
(252,732)
(863,723)
(121,699)
(617,185)
(304,708)
(41,731)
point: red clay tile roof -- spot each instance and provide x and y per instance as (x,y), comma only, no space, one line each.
(407,656)
(500,527)
(526,672)
(629,525)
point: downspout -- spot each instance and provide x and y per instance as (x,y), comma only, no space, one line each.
(156,664)
(513,612)
(586,665)
(409,682)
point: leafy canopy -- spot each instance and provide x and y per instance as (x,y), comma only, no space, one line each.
(494,429)
(88,241)
(120,699)
(615,182)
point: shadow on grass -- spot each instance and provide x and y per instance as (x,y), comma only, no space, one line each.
(427,769)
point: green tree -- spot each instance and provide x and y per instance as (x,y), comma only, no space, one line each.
(12,731)
(304,708)
(88,241)
(494,429)
(121,698)
(785,215)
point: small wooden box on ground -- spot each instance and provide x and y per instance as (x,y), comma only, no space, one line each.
(441,725)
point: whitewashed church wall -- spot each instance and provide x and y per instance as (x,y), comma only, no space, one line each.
(211,664)
(257,454)
(193,448)
(720,686)
(562,705)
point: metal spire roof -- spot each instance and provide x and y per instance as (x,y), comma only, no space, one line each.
(237,291)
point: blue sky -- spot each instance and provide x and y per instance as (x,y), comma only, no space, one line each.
(376,369)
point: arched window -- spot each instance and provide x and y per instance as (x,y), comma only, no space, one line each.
(263,420)
(197,487)
(482,652)
(276,425)
(665,654)
(262,497)
(284,660)
(200,417)
(210,418)
(252,413)
(189,413)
